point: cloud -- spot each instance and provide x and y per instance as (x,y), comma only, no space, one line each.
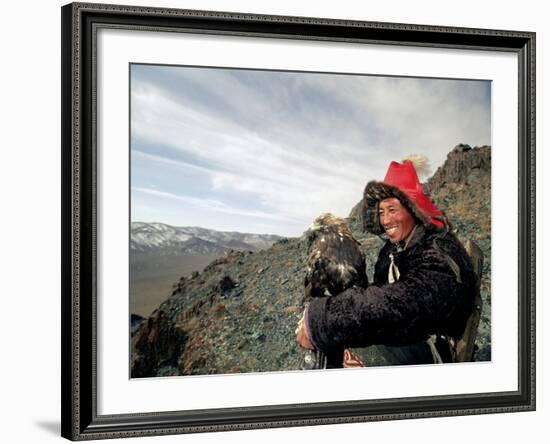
(300,143)
(212,205)
(240,159)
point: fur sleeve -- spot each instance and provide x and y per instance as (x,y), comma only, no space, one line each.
(392,314)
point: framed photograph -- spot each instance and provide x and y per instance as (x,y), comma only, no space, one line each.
(274,221)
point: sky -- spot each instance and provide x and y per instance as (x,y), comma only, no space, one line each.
(261,151)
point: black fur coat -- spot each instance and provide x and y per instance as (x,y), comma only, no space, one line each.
(434,295)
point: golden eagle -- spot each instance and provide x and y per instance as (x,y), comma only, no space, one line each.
(335,263)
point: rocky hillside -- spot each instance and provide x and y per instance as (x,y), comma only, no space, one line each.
(240,313)
(462,187)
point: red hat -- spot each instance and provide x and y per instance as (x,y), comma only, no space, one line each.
(401,182)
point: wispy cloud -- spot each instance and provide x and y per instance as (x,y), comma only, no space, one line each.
(213,205)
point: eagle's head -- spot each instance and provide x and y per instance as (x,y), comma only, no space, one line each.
(335,261)
(322,224)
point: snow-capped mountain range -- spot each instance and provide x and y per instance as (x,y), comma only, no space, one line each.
(154,236)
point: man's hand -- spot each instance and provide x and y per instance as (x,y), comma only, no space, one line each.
(301,336)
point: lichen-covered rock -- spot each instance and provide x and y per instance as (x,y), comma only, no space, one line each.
(156,343)
(462,165)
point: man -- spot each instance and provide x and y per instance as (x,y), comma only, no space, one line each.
(423,289)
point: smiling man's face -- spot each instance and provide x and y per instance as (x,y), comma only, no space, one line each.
(395,219)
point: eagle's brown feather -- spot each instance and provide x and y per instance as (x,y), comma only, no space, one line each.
(335,261)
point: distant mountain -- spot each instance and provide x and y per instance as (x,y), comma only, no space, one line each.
(145,237)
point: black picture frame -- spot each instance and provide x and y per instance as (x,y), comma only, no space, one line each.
(80,420)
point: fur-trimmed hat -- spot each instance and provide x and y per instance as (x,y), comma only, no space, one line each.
(401,182)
